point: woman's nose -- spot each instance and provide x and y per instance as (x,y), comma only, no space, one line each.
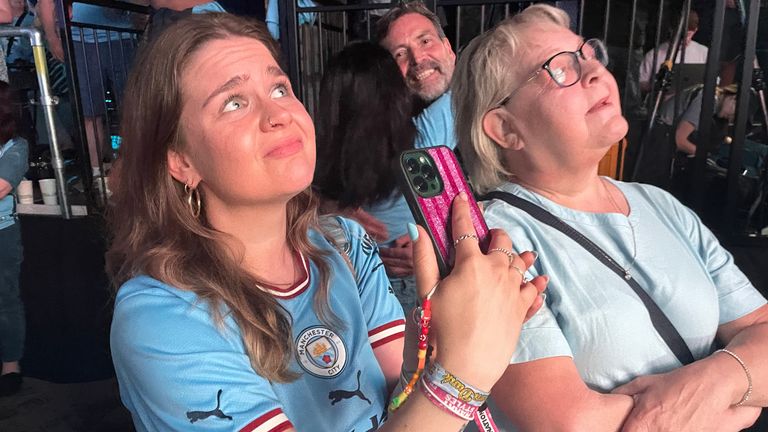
(275,117)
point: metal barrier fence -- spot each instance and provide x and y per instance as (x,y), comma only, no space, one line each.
(630,28)
(97,39)
(98,57)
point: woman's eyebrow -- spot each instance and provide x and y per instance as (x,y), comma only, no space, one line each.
(233,82)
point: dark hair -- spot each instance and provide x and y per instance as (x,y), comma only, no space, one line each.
(154,231)
(8,113)
(383,24)
(365,123)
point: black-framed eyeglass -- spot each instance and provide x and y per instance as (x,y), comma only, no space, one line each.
(564,67)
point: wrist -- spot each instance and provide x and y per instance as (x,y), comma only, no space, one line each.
(464,366)
(739,382)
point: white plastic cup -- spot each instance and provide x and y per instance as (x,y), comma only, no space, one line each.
(48,189)
(24,192)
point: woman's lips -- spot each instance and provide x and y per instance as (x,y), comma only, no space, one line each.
(285,149)
(602,103)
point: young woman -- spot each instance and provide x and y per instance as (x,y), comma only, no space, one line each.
(235,311)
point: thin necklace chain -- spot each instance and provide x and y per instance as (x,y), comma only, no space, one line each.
(631,229)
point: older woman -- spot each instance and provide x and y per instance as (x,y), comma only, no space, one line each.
(536,110)
(236,311)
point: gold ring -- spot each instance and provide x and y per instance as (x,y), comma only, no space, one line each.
(506,252)
(464,237)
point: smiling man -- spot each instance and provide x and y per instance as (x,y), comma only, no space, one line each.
(413,35)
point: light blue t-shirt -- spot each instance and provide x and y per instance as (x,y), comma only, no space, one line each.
(176,367)
(593,316)
(13,165)
(435,127)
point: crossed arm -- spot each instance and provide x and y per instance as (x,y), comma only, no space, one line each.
(550,395)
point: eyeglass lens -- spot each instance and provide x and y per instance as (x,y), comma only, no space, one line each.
(565,68)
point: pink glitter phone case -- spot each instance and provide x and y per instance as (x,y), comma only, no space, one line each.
(430,179)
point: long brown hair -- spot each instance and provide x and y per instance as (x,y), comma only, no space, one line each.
(154,231)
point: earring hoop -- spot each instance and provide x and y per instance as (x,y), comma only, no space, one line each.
(193,200)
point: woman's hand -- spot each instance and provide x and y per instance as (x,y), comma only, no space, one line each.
(687,399)
(479,309)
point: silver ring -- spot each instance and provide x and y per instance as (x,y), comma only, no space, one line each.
(522,273)
(506,252)
(464,237)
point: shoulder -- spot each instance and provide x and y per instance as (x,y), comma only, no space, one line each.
(348,234)
(151,313)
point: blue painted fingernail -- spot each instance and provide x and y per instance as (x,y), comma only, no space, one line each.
(413,233)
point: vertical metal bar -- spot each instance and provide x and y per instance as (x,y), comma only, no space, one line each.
(344,36)
(482,18)
(431,5)
(47,100)
(100,97)
(681,56)
(458,26)
(697,183)
(506,10)
(320,41)
(630,52)
(289,25)
(64,25)
(581,17)
(368,23)
(656,50)
(607,20)
(742,117)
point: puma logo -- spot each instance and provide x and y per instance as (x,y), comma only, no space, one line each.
(194,416)
(339,395)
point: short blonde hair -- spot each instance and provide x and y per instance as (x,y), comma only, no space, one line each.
(484,74)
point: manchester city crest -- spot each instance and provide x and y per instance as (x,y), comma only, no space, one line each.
(321,352)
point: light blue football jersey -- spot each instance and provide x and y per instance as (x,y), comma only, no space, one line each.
(178,370)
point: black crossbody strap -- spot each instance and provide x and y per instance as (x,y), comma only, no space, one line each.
(660,321)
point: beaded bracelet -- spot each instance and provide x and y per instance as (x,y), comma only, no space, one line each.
(426,316)
(747,393)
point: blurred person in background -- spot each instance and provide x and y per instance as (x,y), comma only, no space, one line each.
(13,165)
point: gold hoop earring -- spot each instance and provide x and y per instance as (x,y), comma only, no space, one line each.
(193,200)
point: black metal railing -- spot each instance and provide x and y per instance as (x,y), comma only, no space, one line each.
(630,28)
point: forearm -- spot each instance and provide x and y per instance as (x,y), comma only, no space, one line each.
(751,345)
(594,412)
(47,15)
(549,394)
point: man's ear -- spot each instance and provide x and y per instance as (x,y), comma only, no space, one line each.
(499,126)
(180,167)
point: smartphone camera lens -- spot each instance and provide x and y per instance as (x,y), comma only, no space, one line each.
(420,184)
(412,166)
(428,172)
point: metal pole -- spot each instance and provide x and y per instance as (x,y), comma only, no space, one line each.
(696,185)
(630,51)
(47,101)
(742,116)
(289,27)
